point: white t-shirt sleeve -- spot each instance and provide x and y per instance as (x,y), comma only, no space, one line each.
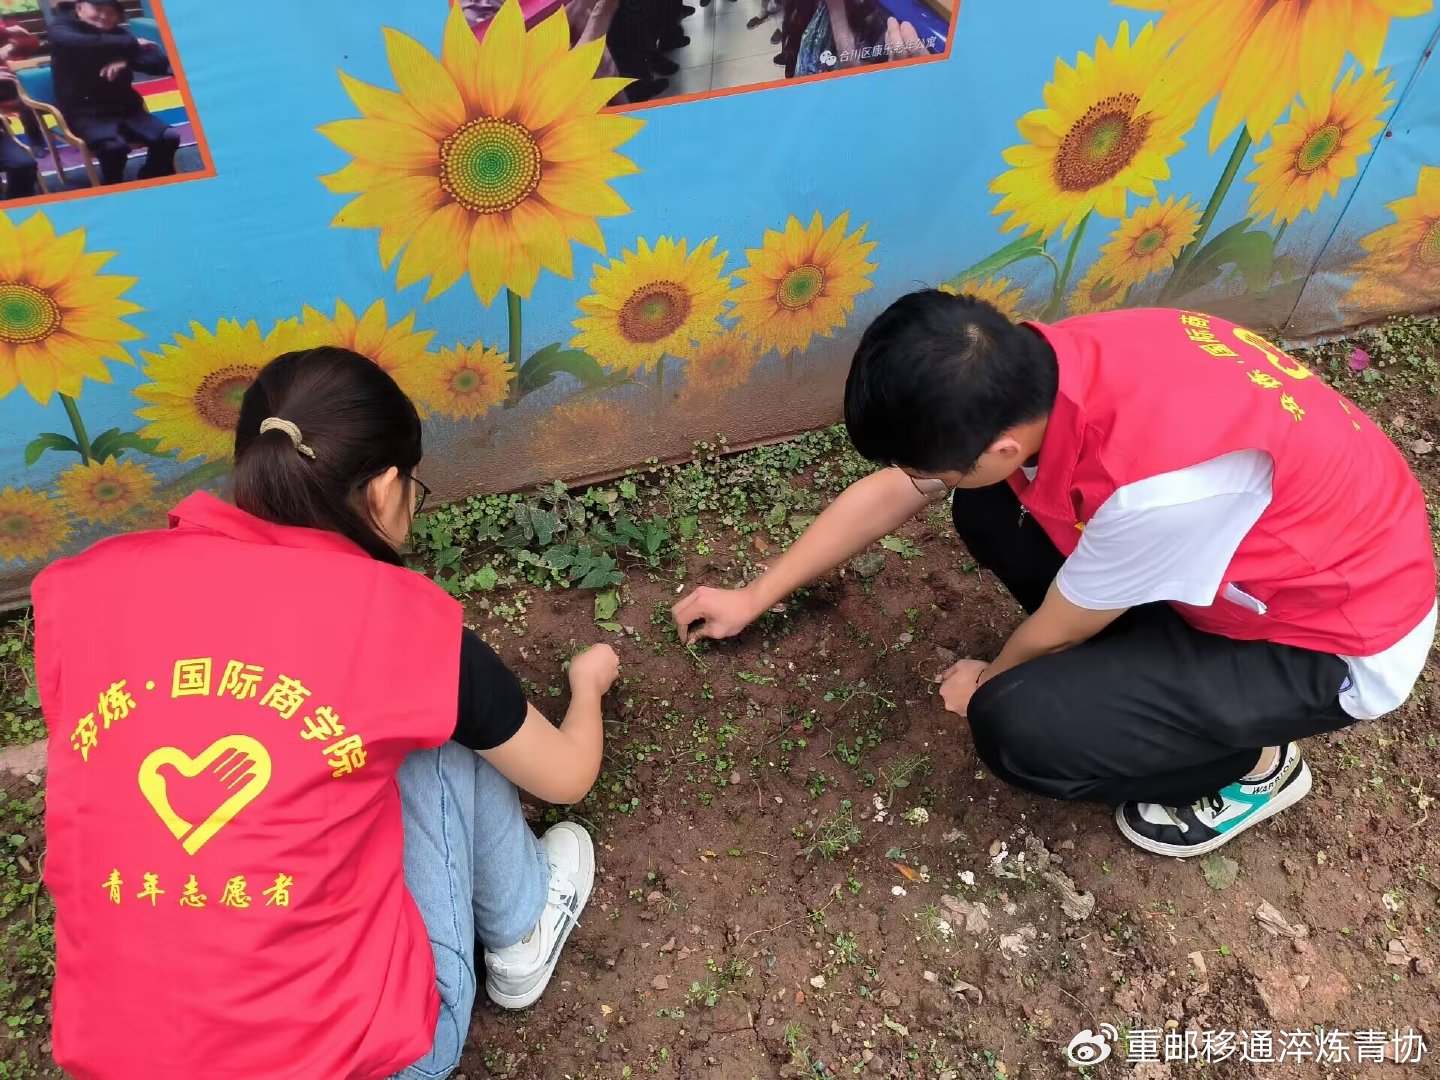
(1168,537)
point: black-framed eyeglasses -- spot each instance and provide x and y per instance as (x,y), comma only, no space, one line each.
(420,493)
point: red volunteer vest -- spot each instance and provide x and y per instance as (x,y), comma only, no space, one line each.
(228,703)
(1341,561)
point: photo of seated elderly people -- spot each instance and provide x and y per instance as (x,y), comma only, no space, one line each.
(675,48)
(89,99)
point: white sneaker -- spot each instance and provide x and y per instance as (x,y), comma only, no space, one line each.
(518,974)
(1204,825)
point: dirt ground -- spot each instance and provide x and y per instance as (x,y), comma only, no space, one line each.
(804,871)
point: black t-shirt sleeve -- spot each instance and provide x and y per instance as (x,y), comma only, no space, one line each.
(492,702)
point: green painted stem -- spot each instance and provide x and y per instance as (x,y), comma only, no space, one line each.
(1054,265)
(1279,233)
(660,387)
(1237,155)
(82,439)
(1057,298)
(517,339)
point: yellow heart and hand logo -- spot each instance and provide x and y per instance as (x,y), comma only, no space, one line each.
(233,770)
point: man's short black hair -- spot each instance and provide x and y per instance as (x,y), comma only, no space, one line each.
(938,378)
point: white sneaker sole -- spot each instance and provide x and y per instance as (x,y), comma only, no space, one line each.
(528,991)
(1298,789)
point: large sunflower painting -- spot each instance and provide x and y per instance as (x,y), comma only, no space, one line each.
(1109,125)
(489,160)
(1259,53)
(61,319)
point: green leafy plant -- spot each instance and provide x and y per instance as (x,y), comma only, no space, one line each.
(20,718)
(553,537)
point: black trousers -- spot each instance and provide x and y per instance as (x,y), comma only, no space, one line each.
(634,38)
(110,140)
(1148,710)
(18,165)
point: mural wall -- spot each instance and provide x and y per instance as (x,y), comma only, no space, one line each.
(589,233)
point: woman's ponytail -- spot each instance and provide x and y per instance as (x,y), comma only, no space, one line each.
(315,428)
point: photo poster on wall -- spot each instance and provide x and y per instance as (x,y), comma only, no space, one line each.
(93,101)
(675,51)
(583,236)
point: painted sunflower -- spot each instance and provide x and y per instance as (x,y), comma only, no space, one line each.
(994,291)
(1150,240)
(33,525)
(1319,146)
(1402,260)
(397,347)
(488,160)
(104,490)
(1107,129)
(576,433)
(1257,54)
(721,364)
(1097,291)
(197,383)
(651,302)
(60,318)
(802,283)
(466,382)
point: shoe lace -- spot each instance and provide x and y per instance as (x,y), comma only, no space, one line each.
(562,896)
(1214,803)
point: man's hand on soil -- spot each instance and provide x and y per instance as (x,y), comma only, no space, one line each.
(958,684)
(721,613)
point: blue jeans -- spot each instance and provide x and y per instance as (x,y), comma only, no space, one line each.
(475,870)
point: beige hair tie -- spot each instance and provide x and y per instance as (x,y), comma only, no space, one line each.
(274,423)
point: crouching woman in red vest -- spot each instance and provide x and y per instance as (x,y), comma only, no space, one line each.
(282,774)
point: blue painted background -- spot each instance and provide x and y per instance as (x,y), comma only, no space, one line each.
(908,152)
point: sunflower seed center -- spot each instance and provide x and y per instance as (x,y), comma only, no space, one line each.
(800,287)
(654,311)
(1319,148)
(465,381)
(217,399)
(490,165)
(1100,144)
(27,314)
(1149,240)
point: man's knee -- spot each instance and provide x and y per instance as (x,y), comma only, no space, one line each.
(169,139)
(1003,725)
(1012,722)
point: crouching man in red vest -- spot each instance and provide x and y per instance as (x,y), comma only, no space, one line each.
(1219,554)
